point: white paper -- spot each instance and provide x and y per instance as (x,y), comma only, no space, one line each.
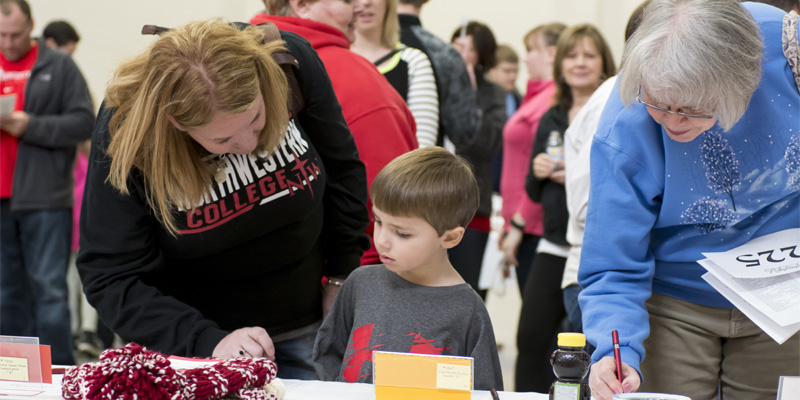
(190,363)
(789,388)
(771,255)
(762,279)
(7,102)
(774,330)
(777,297)
(492,264)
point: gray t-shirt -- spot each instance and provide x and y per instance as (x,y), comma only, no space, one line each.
(378,310)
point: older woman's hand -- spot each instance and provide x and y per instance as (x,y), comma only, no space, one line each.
(604,383)
(247,342)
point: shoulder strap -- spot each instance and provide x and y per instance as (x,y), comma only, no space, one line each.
(287,63)
(791,49)
(388,56)
(285,60)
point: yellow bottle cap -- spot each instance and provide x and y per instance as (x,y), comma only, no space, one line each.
(570,339)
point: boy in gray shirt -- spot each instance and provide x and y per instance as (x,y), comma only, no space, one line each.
(415,302)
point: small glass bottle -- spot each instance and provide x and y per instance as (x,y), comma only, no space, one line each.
(570,365)
(555,146)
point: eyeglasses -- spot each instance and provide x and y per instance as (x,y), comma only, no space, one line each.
(664,110)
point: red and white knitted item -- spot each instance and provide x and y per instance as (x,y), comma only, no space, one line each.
(135,373)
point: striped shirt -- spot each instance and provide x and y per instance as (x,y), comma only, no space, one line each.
(410,73)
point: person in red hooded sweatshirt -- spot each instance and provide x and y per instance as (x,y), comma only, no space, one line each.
(379,118)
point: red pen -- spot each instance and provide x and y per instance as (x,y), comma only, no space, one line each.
(617,358)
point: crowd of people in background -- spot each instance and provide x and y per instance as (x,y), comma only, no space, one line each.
(231,188)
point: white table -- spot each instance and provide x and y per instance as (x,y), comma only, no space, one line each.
(315,390)
(304,390)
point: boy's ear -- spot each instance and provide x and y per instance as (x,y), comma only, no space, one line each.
(452,237)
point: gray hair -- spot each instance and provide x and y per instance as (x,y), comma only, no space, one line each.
(701,54)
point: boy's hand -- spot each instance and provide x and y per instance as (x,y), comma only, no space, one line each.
(247,342)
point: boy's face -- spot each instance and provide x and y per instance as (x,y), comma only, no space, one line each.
(408,246)
(505,75)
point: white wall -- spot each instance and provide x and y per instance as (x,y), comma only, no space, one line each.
(110,29)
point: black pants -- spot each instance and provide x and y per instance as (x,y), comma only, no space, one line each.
(541,315)
(467,257)
(526,253)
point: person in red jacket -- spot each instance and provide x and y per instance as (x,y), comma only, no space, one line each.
(379,118)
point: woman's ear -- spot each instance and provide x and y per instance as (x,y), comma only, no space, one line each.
(176,124)
(299,8)
(551,53)
(452,237)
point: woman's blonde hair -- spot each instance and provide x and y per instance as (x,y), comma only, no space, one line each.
(390,34)
(190,73)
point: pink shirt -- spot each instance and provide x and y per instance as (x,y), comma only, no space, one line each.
(518,136)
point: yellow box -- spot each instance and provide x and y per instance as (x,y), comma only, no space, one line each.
(401,376)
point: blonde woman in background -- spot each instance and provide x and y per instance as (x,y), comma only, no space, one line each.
(523,218)
(407,69)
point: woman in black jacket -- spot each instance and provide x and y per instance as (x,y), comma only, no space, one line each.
(477,46)
(211,212)
(583,60)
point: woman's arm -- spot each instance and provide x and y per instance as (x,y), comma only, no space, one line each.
(345,198)
(423,99)
(118,250)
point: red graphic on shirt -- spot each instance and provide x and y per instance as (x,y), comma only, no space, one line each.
(300,166)
(362,352)
(425,346)
(255,181)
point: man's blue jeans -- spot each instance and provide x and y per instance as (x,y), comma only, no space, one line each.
(34,254)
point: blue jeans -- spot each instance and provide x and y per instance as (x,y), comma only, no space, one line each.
(34,254)
(294,357)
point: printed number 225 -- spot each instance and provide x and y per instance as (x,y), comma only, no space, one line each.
(751,260)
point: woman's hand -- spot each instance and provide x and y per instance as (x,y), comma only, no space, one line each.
(604,383)
(509,245)
(252,341)
(463,45)
(542,166)
(559,174)
(545,168)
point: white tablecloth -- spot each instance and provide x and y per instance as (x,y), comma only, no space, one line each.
(304,390)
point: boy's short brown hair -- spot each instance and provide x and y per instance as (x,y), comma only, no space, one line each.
(429,183)
(505,53)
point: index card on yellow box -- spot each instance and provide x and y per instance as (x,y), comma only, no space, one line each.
(421,376)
